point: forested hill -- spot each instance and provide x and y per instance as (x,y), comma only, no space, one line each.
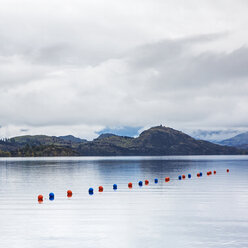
(158,140)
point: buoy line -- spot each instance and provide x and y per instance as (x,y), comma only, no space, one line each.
(130,185)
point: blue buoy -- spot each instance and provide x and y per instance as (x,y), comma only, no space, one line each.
(189,175)
(155,180)
(200,174)
(114,186)
(179,177)
(51,196)
(91,191)
(140,183)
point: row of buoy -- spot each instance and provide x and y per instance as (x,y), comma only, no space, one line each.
(209,173)
(130,185)
(183,176)
(52,196)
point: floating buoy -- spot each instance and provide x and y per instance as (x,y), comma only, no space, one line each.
(155,180)
(40,198)
(130,185)
(51,196)
(91,191)
(214,172)
(198,174)
(179,177)
(183,176)
(146,182)
(140,183)
(167,179)
(114,186)
(189,175)
(69,193)
(100,188)
(227,170)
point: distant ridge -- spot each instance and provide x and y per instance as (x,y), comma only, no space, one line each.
(105,135)
(240,141)
(71,138)
(157,140)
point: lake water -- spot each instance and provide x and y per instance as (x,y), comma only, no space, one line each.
(210,211)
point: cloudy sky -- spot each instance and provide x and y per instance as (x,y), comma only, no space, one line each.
(82,66)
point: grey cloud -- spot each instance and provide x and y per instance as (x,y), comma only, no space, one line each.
(117,92)
(159,53)
(24,130)
(68,54)
(225,66)
(177,69)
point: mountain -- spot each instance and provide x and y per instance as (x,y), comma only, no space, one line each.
(106,135)
(154,141)
(39,145)
(72,139)
(36,140)
(240,141)
(158,140)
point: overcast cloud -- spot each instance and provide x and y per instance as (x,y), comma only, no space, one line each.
(77,67)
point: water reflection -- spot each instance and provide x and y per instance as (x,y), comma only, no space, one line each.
(210,211)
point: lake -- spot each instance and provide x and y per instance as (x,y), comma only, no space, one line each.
(207,211)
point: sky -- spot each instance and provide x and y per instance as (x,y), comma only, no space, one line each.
(82,66)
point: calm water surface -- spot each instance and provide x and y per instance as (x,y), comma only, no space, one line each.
(211,211)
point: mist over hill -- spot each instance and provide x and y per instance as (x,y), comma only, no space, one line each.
(239,141)
(214,136)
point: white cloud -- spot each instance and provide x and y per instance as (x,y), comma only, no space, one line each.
(76,67)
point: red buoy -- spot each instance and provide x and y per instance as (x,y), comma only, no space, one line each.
(40,198)
(100,188)
(146,182)
(167,179)
(130,185)
(227,170)
(198,174)
(214,172)
(69,193)
(183,177)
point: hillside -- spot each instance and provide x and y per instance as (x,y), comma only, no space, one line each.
(38,145)
(154,141)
